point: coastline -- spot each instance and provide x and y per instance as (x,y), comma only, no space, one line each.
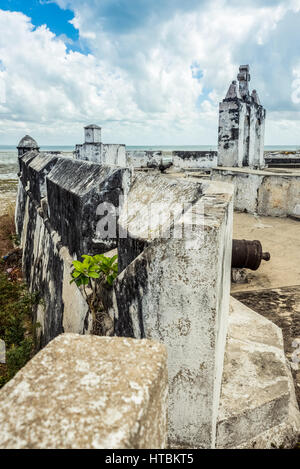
(8,163)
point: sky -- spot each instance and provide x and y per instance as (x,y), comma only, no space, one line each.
(149,72)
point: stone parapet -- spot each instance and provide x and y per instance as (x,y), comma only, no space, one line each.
(88,392)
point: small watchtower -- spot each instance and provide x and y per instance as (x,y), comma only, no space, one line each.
(26,144)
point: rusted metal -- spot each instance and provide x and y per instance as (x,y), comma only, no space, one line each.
(248,254)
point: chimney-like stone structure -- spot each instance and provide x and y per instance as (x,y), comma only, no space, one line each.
(241,125)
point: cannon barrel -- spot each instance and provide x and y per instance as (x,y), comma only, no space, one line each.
(248,254)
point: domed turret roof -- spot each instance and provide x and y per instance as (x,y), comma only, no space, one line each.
(92,126)
(27,142)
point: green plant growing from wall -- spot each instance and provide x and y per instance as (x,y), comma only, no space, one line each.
(92,272)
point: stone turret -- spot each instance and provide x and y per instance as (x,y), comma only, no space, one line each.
(241,125)
(26,144)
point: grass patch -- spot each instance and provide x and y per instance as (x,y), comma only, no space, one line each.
(16,327)
(16,303)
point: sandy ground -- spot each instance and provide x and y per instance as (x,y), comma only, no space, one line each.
(8,194)
(280,237)
(274,289)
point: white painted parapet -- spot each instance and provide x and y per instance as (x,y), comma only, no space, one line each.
(88,392)
(186,159)
(57,219)
(241,125)
(274,193)
(174,288)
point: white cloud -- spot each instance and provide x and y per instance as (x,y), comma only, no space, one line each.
(138,82)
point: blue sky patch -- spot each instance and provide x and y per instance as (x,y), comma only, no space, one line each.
(50,14)
(204,96)
(197,73)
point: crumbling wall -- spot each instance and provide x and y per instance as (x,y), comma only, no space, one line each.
(258,407)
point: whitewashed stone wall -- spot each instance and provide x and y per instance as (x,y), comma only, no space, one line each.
(179,159)
(56,219)
(97,152)
(174,242)
(176,291)
(263,192)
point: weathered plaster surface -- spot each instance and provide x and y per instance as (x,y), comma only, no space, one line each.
(75,189)
(177,291)
(88,392)
(180,159)
(95,151)
(282,307)
(266,193)
(258,408)
(241,125)
(104,154)
(56,218)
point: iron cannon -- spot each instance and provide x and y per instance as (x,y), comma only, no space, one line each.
(248,254)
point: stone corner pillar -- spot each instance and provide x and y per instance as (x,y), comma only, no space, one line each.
(175,289)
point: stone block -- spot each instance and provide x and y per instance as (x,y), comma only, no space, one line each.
(84,392)
(257,406)
(105,154)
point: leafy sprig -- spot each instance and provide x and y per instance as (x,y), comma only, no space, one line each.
(95,267)
(92,271)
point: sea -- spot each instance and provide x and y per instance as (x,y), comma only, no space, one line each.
(9,164)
